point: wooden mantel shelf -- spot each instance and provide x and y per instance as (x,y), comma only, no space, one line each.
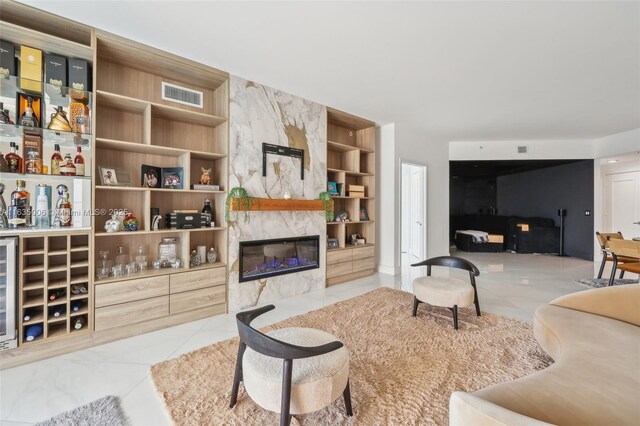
(271,204)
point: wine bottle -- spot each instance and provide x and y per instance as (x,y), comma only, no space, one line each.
(27,315)
(58,311)
(79,162)
(56,160)
(33,332)
(75,307)
(79,323)
(56,294)
(4,115)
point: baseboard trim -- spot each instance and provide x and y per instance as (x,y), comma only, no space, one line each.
(389,270)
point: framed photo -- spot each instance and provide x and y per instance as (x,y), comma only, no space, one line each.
(332,243)
(332,188)
(364,215)
(172,177)
(150,176)
(108,176)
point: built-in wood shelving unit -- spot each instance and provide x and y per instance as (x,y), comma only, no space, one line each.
(351,161)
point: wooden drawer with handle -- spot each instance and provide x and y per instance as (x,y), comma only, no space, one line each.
(194,280)
(363,252)
(364,264)
(339,269)
(339,256)
(126,291)
(131,312)
(195,299)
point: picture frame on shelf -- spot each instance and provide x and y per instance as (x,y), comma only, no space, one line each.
(112,176)
(108,176)
(332,243)
(150,176)
(364,215)
(172,177)
(332,188)
(340,189)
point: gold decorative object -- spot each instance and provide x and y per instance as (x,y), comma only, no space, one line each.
(59,121)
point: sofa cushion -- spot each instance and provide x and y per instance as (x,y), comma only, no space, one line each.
(595,379)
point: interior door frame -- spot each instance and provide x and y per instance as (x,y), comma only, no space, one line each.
(424,207)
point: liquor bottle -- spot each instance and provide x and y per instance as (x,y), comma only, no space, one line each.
(4,221)
(33,332)
(208,210)
(79,323)
(33,163)
(4,166)
(14,161)
(4,115)
(57,294)
(66,166)
(64,213)
(42,207)
(28,118)
(17,213)
(79,162)
(56,160)
(58,311)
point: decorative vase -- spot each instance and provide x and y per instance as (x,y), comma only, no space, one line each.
(113,224)
(212,256)
(130,222)
(194,259)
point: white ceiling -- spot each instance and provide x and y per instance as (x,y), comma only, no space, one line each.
(459,70)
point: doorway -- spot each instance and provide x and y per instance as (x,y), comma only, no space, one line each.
(622,203)
(413,212)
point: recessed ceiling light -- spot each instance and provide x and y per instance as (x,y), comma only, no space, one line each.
(612,161)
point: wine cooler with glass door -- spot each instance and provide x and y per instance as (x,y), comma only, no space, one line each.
(8,285)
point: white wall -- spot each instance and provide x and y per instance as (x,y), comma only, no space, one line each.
(620,143)
(387,243)
(508,150)
(415,146)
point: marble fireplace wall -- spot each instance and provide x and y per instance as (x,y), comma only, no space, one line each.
(261,114)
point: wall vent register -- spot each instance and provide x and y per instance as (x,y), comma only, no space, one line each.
(269,258)
(182,95)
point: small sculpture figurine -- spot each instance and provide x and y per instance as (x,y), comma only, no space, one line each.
(4,222)
(194,259)
(130,222)
(113,224)
(212,256)
(205,177)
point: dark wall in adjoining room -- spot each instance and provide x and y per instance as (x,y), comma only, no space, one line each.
(540,193)
(471,195)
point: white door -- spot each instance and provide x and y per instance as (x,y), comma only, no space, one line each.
(413,211)
(416,214)
(622,203)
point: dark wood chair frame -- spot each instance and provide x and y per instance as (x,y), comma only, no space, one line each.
(605,255)
(269,346)
(451,262)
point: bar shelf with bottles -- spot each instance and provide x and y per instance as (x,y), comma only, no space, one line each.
(54,295)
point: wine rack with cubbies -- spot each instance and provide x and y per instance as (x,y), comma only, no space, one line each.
(351,161)
(54,263)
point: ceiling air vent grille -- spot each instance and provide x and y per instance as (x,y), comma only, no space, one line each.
(181,95)
(522,150)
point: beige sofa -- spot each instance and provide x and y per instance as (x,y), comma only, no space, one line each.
(594,338)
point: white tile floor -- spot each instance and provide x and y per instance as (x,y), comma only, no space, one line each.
(510,284)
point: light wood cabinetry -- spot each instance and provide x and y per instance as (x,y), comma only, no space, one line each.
(351,162)
(135,125)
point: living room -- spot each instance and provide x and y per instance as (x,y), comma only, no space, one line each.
(228,244)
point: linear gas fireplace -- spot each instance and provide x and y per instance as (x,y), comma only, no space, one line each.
(268,258)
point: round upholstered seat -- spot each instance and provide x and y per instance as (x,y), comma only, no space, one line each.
(316,381)
(446,292)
